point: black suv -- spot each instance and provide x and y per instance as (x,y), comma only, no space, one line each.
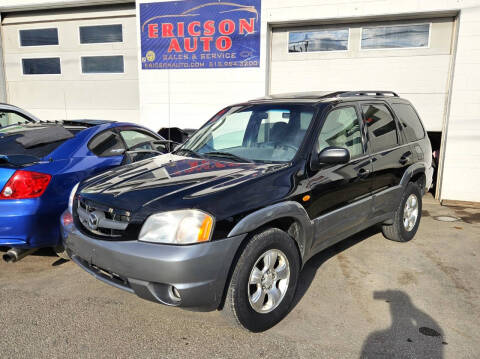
(229,218)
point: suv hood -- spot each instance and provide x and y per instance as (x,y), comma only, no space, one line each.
(169,182)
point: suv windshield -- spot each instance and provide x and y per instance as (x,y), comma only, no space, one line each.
(260,133)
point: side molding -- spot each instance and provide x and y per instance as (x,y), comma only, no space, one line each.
(289,209)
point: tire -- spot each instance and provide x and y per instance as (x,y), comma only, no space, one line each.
(399,231)
(263,248)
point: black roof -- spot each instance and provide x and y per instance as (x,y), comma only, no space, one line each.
(79,123)
(86,122)
(321,96)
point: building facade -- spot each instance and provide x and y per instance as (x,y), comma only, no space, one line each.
(427,51)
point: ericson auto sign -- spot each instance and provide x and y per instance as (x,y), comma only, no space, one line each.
(200,34)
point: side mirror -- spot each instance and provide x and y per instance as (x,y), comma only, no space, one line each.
(334,155)
(331,156)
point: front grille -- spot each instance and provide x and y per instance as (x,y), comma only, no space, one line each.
(102,220)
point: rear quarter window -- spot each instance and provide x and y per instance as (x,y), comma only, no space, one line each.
(107,143)
(410,122)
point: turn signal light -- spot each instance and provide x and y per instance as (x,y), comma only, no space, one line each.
(205,229)
(25,184)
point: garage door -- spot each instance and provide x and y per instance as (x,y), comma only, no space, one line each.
(71,64)
(409,57)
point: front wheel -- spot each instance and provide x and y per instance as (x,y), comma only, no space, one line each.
(407,217)
(264,281)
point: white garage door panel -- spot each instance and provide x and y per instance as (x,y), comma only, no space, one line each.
(70,67)
(73,94)
(37,94)
(398,73)
(420,75)
(109,115)
(430,107)
(108,95)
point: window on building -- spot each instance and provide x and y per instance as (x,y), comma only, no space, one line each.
(102,64)
(382,129)
(341,129)
(410,121)
(100,34)
(395,36)
(41,66)
(318,40)
(39,37)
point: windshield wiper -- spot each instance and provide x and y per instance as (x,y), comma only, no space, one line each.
(228,155)
(187,151)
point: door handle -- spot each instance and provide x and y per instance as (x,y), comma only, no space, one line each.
(404,160)
(363,173)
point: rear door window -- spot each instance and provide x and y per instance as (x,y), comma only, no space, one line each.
(382,128)
(410,122)
(107,143)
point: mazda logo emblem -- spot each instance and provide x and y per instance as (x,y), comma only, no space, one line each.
(93,221)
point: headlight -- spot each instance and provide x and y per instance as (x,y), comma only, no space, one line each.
(177,227)
(70,199)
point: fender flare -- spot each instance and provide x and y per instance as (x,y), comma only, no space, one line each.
(288,209)
(411,171)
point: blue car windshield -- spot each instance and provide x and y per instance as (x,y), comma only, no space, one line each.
(270,133)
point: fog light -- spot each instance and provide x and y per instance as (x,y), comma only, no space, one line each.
(174,294)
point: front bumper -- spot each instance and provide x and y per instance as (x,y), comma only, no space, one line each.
(197,272)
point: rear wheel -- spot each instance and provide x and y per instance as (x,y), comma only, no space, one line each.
(264,281)
(407,217)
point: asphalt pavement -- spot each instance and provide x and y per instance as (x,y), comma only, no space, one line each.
(366,297)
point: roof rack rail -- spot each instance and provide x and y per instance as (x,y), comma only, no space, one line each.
(367,93)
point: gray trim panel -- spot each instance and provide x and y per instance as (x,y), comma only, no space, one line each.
(265,215)
(199,271)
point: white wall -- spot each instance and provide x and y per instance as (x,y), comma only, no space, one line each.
(419,74)
(195,95)
(14,5)
(3,88)
(461,175)
(72,94)
(188,98)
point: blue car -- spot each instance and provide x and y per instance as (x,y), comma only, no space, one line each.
(41,162)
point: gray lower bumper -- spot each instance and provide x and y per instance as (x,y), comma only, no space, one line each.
(198,272)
